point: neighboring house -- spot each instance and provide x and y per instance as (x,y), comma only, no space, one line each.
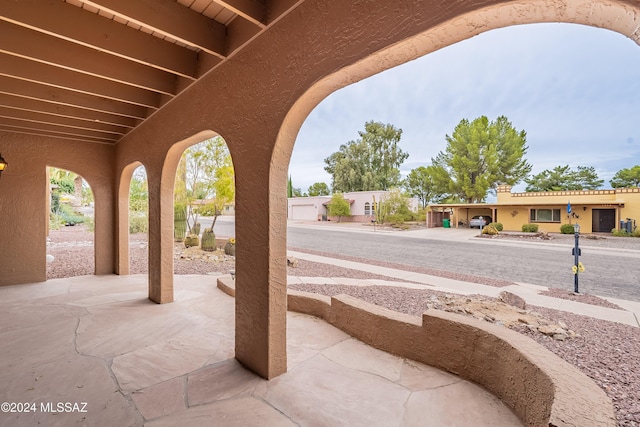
(362,206)
(229,208)
(595,210)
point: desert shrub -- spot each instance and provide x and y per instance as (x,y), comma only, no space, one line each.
(395,218)
(567,229)
(530,228)
(138,224)
(496,225)
(625,233)
(206,210)
(490,230)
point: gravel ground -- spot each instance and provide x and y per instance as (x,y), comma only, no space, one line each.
(605,351)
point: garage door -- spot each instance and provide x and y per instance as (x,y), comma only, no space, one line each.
(304,212)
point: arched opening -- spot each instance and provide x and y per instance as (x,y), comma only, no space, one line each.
(468,25)
(70,220)
(203,214)
(162,230)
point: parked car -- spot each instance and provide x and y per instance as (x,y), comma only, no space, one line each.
(479,221)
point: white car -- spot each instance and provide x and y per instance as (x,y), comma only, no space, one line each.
(479,221)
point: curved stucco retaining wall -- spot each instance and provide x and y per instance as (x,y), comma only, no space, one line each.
(541,388)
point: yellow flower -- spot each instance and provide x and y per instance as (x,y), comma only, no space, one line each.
(580,267)
(574,269)
(232,240)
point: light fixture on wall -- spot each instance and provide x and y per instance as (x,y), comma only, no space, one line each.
(3,164)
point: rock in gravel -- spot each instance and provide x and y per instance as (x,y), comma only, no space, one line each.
(512,299)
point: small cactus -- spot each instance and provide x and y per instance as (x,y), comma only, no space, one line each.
(230,247)
(179,222)
(196,229)
(208,242)
(191,240)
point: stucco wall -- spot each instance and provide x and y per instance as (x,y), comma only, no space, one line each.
(257,100)
(24,192)
(625,202)
(535,383)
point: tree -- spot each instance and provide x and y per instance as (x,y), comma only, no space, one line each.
(319,189)
(205,171)
(394,206)
(369,163)
(421,183)
(339,206)
(293,191)
(479,156)
(626,178)
(562,178)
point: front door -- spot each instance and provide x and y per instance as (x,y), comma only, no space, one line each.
(604,220)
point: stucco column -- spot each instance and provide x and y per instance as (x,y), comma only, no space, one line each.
(104,230)
(261,281)
(160,238)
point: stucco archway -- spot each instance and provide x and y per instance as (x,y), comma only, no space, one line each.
(124,187)
(615,16)
(161,220)
(65,208)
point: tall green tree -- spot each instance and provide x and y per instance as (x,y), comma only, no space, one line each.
(319,189)
(562,178)
(289,187)
(339,206)
(626,178)
(205,172)
(370,163)
(479,156)
(421,183)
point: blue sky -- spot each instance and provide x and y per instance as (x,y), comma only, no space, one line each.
(574,89)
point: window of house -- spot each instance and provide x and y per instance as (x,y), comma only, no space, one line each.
(367,209)
(545,215)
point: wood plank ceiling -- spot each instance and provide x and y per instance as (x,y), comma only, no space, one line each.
(92,70)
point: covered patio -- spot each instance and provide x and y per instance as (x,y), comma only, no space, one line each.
(127,361)
(99,87)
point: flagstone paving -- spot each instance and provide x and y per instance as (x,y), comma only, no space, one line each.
(98,340)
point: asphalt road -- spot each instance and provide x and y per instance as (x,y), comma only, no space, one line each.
(608,274)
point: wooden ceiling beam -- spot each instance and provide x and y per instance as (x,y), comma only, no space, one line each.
(35,105)
(55,135)
(38,117)
(170,19)
(88,29)
(44,93)
(251,10)
(57,129)
(46,49)
(24,69)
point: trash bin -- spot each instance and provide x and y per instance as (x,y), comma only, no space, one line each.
(446,223)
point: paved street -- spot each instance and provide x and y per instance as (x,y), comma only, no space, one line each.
(608,272)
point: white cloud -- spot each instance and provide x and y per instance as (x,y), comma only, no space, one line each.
(574,89)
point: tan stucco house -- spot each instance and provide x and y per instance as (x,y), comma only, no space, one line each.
(101,87)
(362,203)
(597,211)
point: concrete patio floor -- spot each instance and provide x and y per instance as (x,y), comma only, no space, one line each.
(93,350)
